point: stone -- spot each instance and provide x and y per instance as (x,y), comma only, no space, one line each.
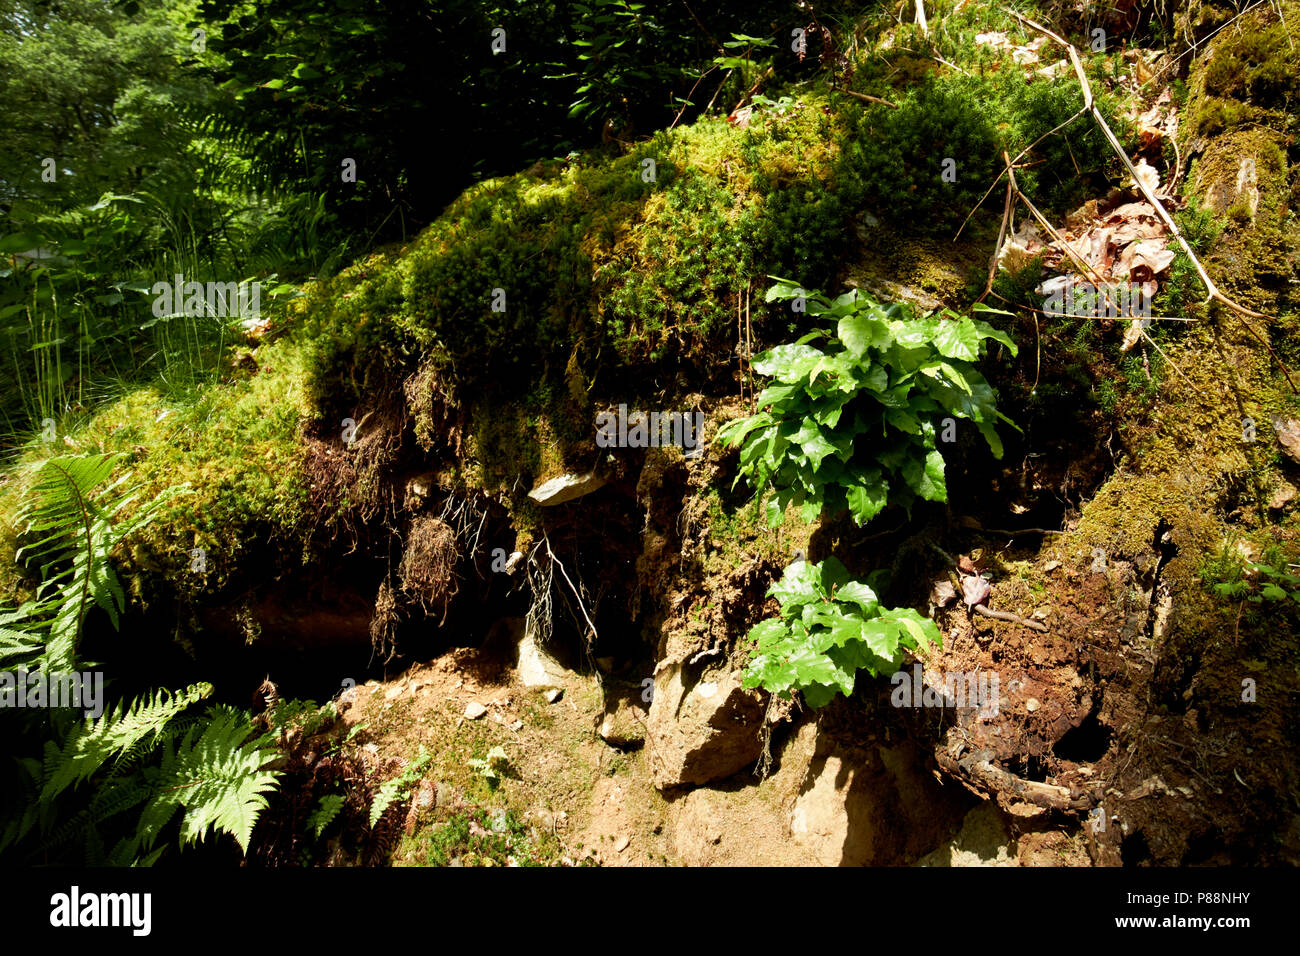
(621,845)
(1288,434)
(475,711)
(1031,704)
(553,695)
(535,667)
(1283,497)
(982,841)
(624,719)
(695,738)
(565,488)
(942,593)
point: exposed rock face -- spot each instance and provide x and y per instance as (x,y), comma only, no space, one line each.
(703,731)
(829,803)
(864,806)
(537,668)
(983,841)
(1288,435)
(623,723)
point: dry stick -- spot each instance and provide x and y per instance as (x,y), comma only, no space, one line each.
(719,90)
(749,349)
(920,18)
(740,346)
(947,63)
(682,111)
(1197,45)
(753,89)
(1085,266)
(867,98)
(1019,156)
(1212,290)
(1013,618)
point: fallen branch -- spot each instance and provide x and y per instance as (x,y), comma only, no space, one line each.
(978,769)
(1013,618)
(1102,285)
(867,98)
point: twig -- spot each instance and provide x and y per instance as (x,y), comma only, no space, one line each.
(752,90)
(677,118)
(868,98)
(719,90)
(1013,618)
(1212,290)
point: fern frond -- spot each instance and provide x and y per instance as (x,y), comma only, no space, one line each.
(92,743)
(68,528)
(218,775)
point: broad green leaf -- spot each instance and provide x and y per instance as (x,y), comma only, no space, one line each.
(989,332)
(860,332)
(957,339)
(866,501)
(787,363)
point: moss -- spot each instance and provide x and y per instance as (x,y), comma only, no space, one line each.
(236,446)
(1250,75)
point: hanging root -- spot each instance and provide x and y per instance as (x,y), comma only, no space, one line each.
(540,577)
(590,637)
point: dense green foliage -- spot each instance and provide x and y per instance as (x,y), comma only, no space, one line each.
(854,424)
(141,761)
(314,86)
(830,627)
(70,523)
(898,157)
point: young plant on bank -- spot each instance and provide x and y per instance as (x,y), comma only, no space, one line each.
(854,424)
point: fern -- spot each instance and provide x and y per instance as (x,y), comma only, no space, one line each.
(217,774)
(399,787)
(326,810)
(90,744)
(72,520)
(154,751)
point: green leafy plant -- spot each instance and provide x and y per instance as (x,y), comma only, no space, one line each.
(73,780)
(399,788)
(490,767)
(854,423)
(830,627)
(327,808)
(1234,577)
(68,520)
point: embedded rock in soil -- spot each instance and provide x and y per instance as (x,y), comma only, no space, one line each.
(701,732)
(535,667)
(623,722)
(983,841)
(565,488)
(1288,434)
(863,806)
